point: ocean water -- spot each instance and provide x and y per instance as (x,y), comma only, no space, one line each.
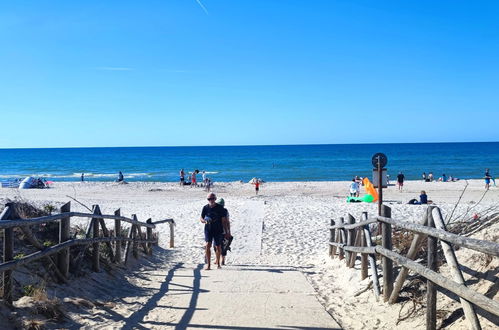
(233,163)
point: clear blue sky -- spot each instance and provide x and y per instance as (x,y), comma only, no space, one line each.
(170,72)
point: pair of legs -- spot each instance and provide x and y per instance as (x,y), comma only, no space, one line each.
(400,186)
(218,250)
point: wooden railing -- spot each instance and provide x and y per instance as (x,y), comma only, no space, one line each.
(349,238)
(96,234)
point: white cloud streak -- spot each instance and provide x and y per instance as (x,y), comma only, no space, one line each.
(203,7)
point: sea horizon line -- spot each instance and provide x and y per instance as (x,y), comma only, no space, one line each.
(249,145)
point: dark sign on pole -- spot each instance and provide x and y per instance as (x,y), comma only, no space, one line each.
(382,159)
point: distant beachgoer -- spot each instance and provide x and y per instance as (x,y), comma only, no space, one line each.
(424,176)
(430,177)
(194,179)
(444,178)
(82,177)
(257,186)
(488,177)
(214,218)
(387,179)
(354,188)
(400,180)
(120,177)
(423,198)
(182,177)
(227,240)
(203,174)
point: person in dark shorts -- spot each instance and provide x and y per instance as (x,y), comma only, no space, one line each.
(227,240)
(214,218)
(400,180)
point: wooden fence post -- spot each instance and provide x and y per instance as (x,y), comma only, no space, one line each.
(350,238)
(411,254)
(95,245)
(386,236)
(450,256)
(149,237)
(431,288)
(172,237)
(8,254)
(135,245)
(371,258)
(332,249)
(363,243)
(117,234)
(342,238)
(64,235)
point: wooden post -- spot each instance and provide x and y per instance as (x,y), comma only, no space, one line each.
(105,232)
(8,254)
(135,245)
(363,256)
(431,288)
(413,250)
(129,243)
(172,235)
(342,239)
(358,242)
(95,245)
(149,237)
(332,250)
(64,235)
(371,258)
(450,256)
(139,234)
(386,237)
(117,234)
(350,237)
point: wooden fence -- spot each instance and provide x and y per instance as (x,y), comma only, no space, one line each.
(97,233)
(348,238)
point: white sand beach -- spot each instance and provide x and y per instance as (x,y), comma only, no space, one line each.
(286,225)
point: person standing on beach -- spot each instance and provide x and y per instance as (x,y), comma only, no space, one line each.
(214,218)
(82,177)
(120,177)
(488,177)
(430,177)
(424,176)
(182,177)
(400,180)
(193,178)
(354,188)
(257,186)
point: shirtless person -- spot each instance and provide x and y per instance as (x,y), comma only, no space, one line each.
(214,217)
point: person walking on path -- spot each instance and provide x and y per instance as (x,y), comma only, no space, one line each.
(182,177)
(400,180)
(227,240)
(214,218)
